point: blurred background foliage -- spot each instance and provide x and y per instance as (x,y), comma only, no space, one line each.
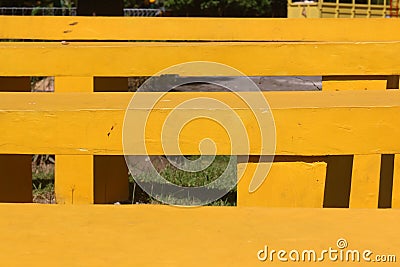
(192,8)
(35,3)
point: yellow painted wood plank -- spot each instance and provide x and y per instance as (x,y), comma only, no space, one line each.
(288,184)
(396,182)
(251,58)
(246,29)
(307,123)
(118,101)
(367,84)
(365,181)
(126,235)
(73,84)
(74,175)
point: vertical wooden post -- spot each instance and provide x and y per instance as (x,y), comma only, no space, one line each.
(365,181)
(111,172)
(288,184)
(86,178)
(15,170)
(74,177)
(393,83)
(366,168)
(396,183)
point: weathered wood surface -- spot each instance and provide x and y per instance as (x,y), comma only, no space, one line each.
(215,29)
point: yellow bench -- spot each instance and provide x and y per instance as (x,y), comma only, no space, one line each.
(317,132)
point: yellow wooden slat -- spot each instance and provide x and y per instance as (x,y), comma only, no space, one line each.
(307,123)
(241,29)
(365,181)
(288,184)
(337,83)
(73,84)
(276,100)
(396,182)
(103,236)
(138,58)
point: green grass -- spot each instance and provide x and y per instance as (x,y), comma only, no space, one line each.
(207,178)
(201,178)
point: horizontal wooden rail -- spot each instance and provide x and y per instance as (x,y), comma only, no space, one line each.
(307,123)
(215,29)
(127,235)
(146,59)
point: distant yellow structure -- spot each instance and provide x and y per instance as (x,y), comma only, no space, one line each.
(343,8)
